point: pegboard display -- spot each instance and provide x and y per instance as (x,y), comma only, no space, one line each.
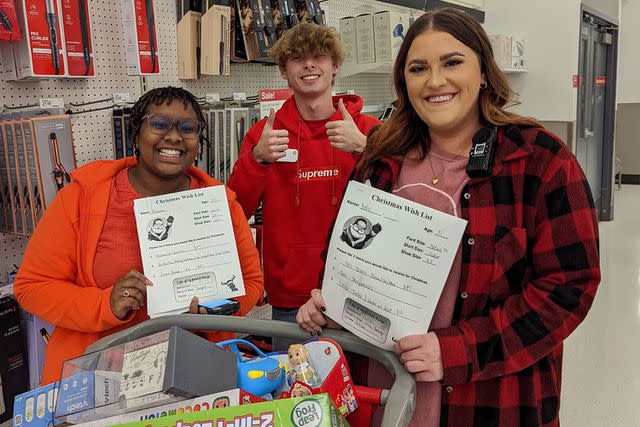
(93,131)
(375,89)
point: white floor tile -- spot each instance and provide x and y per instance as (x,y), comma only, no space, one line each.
(601,372)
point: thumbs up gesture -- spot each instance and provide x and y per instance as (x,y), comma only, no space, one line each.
(344,134)
(273,143)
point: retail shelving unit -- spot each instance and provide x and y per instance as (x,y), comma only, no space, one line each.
(93,131)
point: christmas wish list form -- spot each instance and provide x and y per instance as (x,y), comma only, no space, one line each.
(188,249)
(387,264)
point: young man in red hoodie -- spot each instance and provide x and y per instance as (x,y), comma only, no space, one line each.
(297,162)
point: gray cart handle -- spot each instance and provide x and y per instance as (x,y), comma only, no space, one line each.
(399,402)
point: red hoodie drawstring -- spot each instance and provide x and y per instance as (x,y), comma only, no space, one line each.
(334,197)
(298,166)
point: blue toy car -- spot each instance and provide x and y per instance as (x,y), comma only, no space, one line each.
(260,375)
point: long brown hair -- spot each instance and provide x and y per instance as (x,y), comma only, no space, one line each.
(404,129)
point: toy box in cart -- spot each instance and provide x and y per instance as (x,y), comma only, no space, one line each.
(315,367)
(321,368)
(155,370)
(310,411)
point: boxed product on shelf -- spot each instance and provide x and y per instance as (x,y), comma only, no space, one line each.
(310,11)
(122,142)
(34,191)
(253,19)
(34,408)
(118,134)
(501,45)
(5,204)
(189,45)
(141,43)
(13,369)
(8,200)
(284,15)
(349,39)
(26,188)
(78,38)
(41,53)
(184,6)
(9,28)
(517,52)
(54,154)
(215,41)
(270,25)
(237,127)
(37,332)
(389,29)
(12,166)
(366,42)
(217,141)
(266,25)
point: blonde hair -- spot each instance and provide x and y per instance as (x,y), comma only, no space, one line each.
(302,348)
(308,39)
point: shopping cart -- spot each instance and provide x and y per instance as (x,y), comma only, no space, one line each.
(398,402)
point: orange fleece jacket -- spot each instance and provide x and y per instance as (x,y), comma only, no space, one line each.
(56,282)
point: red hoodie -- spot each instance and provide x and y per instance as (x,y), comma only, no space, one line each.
(300,200)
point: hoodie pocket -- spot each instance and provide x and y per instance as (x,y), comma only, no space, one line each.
(302,270)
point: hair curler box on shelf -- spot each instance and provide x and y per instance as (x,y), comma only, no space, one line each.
(41,53)
(141,41)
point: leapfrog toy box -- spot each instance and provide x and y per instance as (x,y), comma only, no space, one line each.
(309,411)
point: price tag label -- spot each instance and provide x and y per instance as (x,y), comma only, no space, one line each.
(212,97)
(239,96)
(51,103)
(121,98)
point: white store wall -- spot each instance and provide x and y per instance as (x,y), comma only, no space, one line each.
(629,63)
(550,29)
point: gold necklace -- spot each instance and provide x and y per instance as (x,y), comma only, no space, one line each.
(435,180)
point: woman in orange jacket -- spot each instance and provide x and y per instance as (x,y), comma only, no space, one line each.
(82,269)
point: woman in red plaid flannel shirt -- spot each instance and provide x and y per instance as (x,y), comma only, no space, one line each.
(528,265)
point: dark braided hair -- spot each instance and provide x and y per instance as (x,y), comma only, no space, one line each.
(159,96)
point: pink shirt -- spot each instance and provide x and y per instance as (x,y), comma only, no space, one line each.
(415,183)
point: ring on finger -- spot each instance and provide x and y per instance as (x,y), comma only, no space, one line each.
(126,293)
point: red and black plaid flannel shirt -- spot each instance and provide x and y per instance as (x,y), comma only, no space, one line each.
(529,275)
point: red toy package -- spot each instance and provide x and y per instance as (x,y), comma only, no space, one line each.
(317,367)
